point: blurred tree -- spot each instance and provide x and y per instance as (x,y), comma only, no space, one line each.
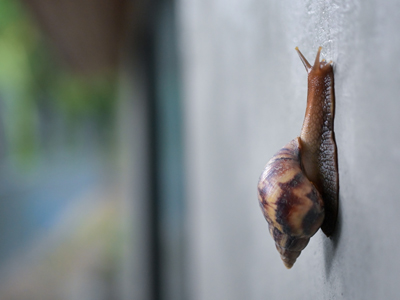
(40,99)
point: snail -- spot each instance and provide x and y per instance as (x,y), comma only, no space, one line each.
(298,189)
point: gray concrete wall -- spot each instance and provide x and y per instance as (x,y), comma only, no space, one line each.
(244,98)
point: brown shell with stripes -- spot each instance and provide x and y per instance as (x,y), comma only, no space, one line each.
(298,189)
(291,204)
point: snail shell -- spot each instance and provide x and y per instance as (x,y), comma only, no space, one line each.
(291,204)
(298,188)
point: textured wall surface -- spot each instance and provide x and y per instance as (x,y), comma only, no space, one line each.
(245,96)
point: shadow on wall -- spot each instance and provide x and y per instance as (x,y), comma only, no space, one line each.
(331,244)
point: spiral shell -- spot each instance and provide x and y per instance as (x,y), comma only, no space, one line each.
(291,204)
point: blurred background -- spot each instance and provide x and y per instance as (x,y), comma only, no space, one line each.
(82,133)
(133,133)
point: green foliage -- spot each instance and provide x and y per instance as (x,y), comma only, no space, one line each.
(34,86)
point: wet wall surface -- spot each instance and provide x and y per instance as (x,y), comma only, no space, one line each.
(244,98)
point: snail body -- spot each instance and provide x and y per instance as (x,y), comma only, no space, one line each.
(298,189)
